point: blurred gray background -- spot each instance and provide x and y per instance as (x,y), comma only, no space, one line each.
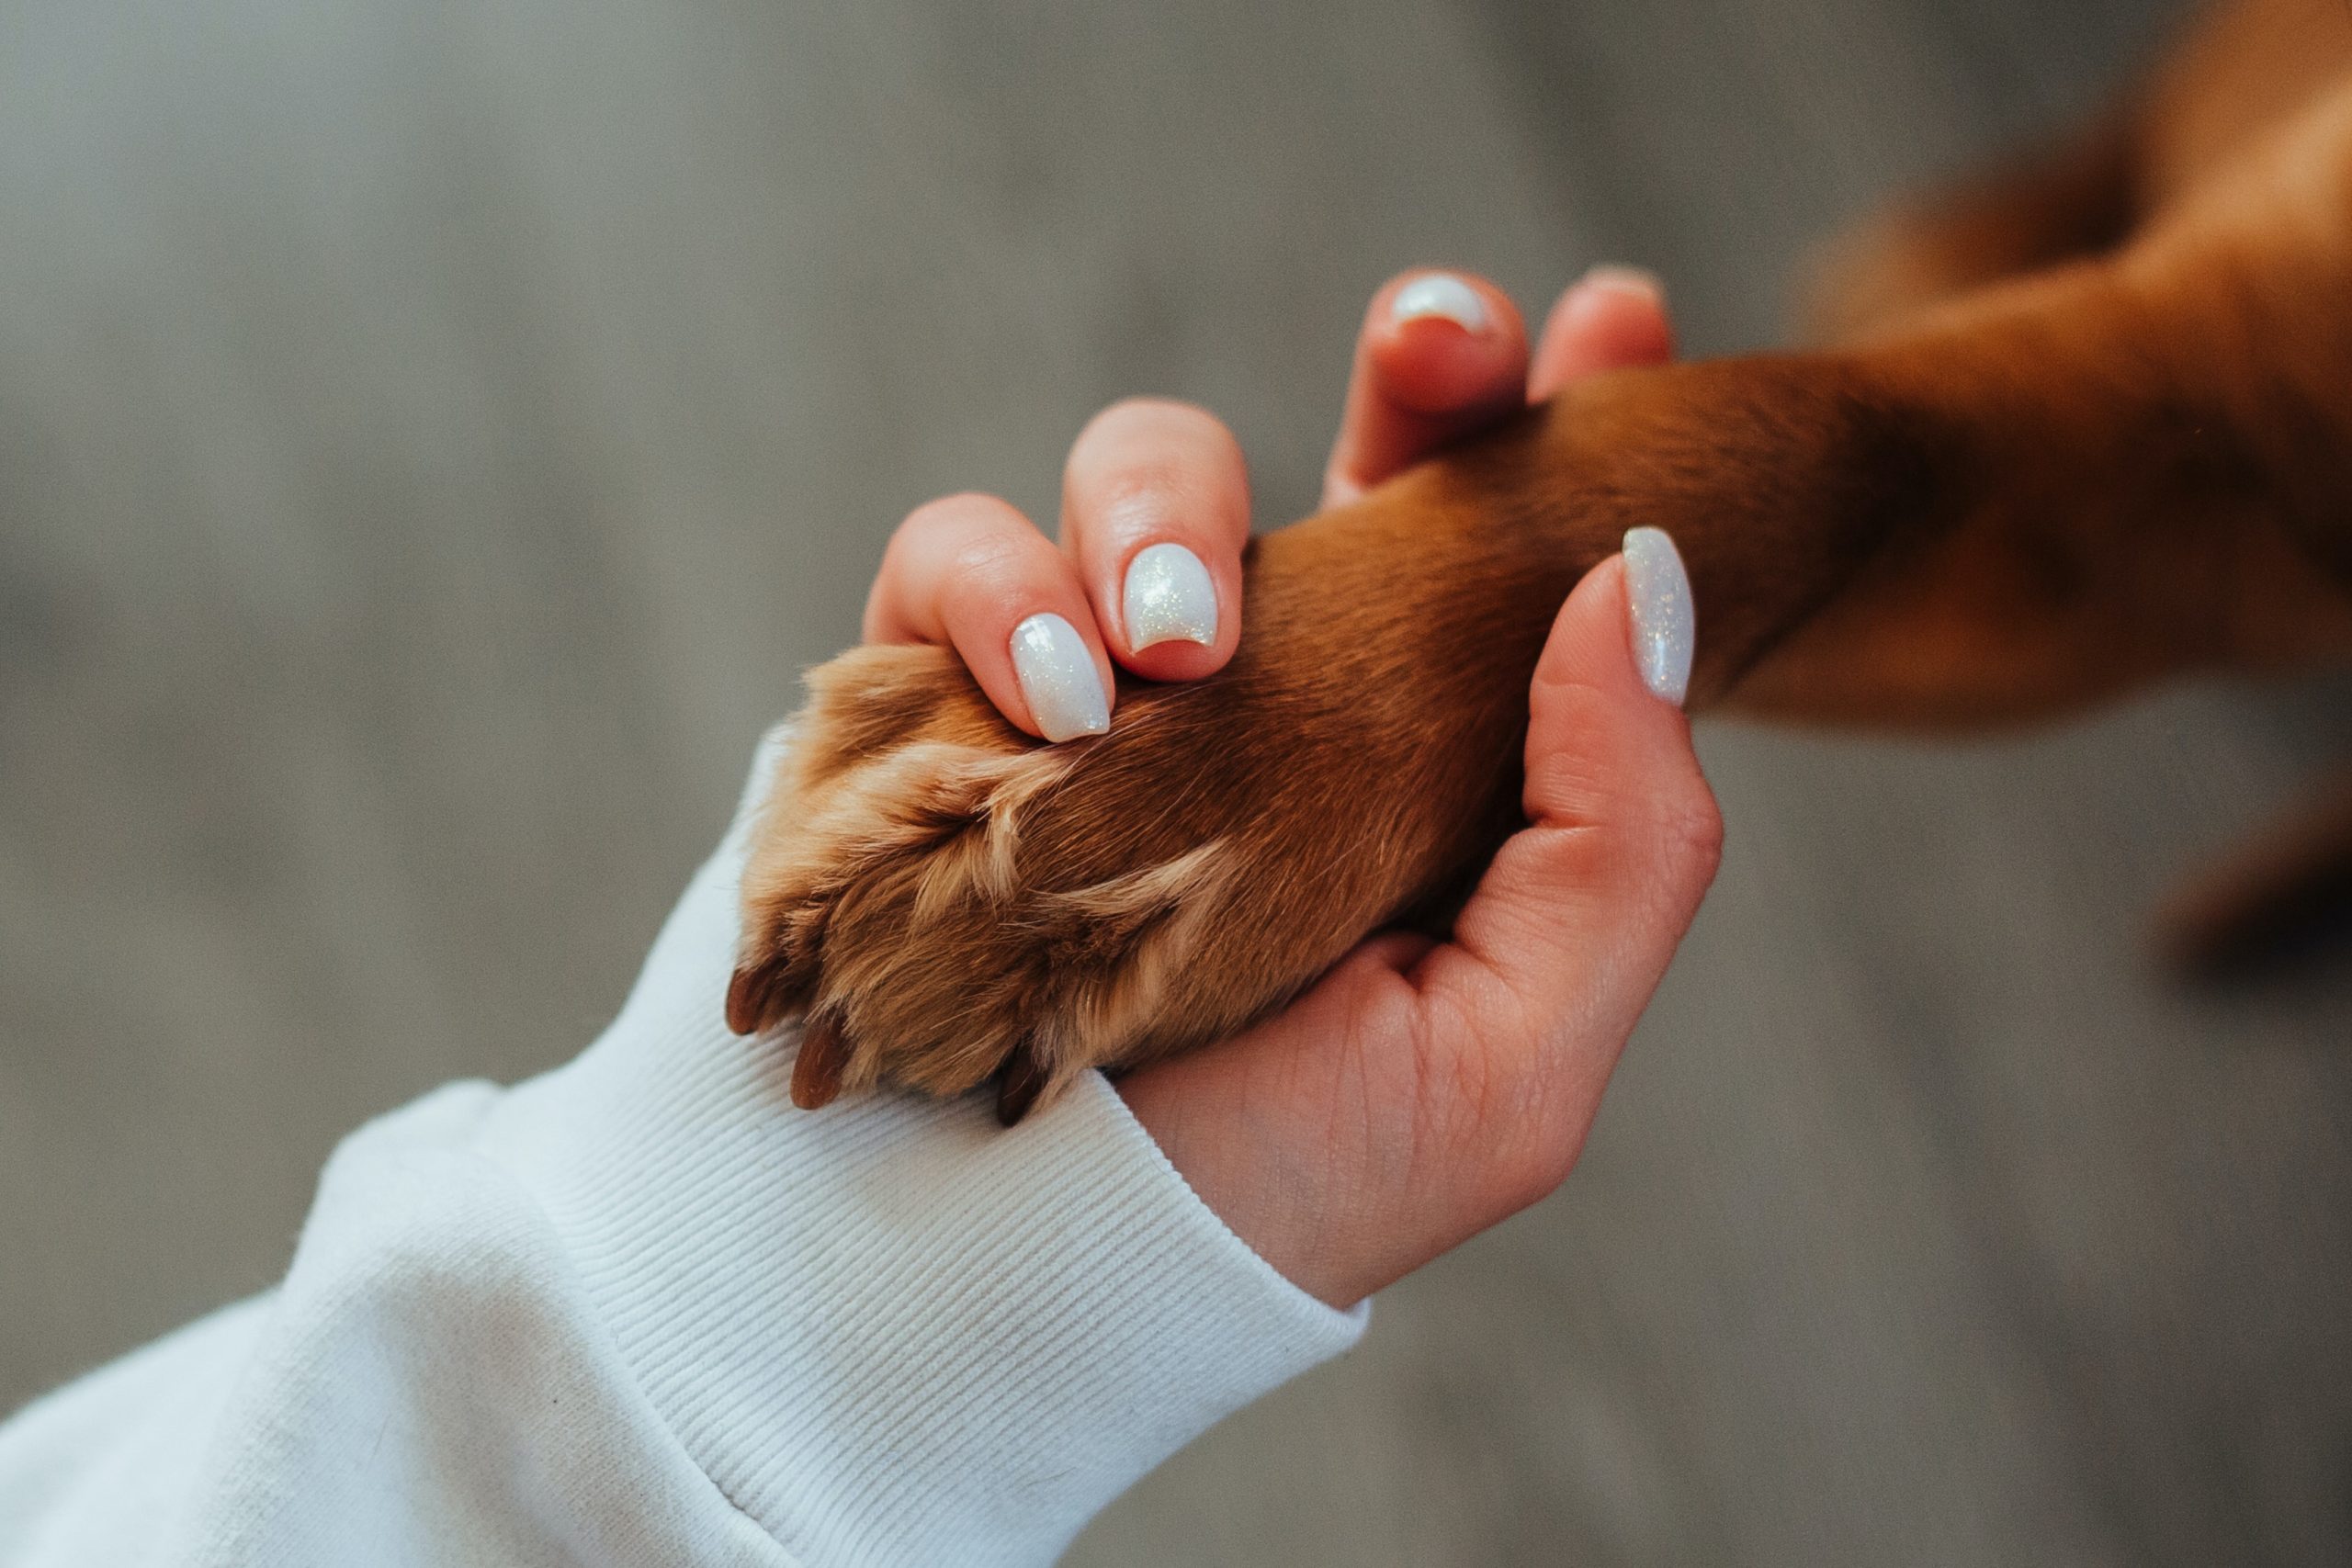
(432,436)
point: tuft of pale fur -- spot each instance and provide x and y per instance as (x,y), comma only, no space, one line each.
(886,893)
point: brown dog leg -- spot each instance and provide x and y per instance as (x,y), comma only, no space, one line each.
(2076,199)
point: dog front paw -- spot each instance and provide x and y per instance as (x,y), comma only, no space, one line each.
(945,901)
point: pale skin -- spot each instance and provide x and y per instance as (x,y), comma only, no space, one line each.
(1422,1092)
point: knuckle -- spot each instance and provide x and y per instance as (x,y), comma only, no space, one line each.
(1694,827)
(1531,1155)
(1147,495)
(1691,830)
(965,509)
(991,559)
(1144,433)
(964,550)
(1560,855)
(1150,468)
(1532,1172)
(1163,407)
(1138,417)
(934,514)
(1564,702)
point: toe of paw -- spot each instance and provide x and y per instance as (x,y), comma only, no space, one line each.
(764,992)
(824,1059)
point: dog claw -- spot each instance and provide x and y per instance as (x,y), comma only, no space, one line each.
(751,998)
(1018,1088)
(817,1072)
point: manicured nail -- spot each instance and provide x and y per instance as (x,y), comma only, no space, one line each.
(1168,598)
(1440,294)
(1058,678)
(1657,595)
(1627,280)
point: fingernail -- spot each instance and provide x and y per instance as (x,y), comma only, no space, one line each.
(1057,677)
(1658,598)
(1168,598)
(1627,280)
(1440,294)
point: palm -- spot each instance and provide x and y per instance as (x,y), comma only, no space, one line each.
(1420,1093)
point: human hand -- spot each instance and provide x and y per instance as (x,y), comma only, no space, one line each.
(1420,1093)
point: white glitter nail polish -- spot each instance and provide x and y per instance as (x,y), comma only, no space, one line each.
(1167,597)
(1057,677)
(1440,294)
(1634,280)
(1665,624)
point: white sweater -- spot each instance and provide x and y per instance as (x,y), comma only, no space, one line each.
(641,1311)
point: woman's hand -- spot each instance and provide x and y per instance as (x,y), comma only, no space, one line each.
(1420,1093)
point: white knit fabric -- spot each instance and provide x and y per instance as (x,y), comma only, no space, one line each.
(641,1311)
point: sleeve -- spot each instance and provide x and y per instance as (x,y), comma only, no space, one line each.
(641,1310)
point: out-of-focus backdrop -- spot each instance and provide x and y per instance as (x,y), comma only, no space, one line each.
(432,437)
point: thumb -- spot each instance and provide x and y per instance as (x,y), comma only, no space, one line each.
(1579,912)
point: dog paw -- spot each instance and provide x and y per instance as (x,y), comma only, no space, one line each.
(944,901)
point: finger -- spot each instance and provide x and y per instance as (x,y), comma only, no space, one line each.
(1155,512)
(1568,934)
(1611,318)
(971,571)
(1441,353)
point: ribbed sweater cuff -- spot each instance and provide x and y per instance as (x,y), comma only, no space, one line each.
(889,1331)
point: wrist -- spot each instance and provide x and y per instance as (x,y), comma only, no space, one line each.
(1249,1173)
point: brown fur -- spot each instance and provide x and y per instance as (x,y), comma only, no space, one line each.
(2082,425)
